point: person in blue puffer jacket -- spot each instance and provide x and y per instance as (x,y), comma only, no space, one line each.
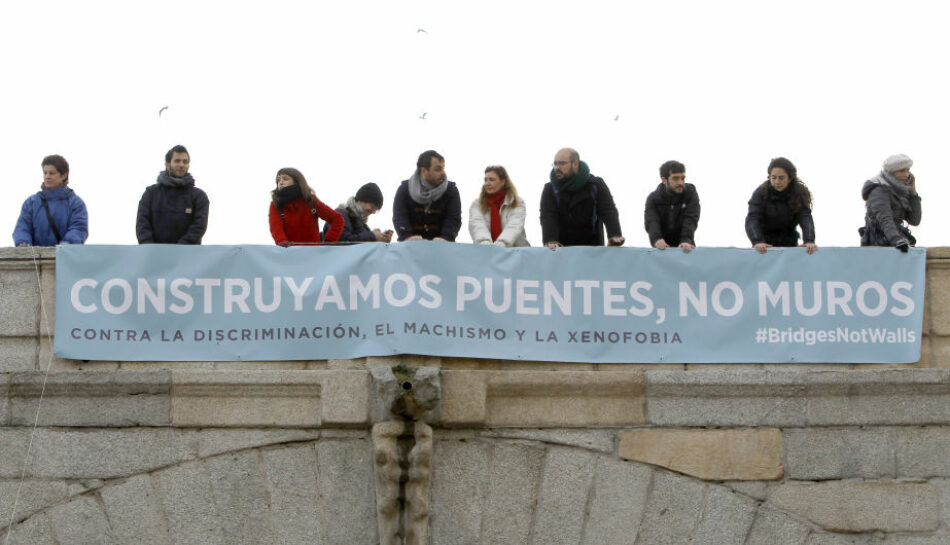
(55,214)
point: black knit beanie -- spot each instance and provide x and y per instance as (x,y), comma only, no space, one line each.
(370,193)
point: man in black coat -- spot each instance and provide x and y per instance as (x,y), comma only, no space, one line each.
(173,210)
(427,205)
(672,210)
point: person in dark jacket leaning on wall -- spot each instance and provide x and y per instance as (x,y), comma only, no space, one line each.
(891,199)
(357,210)
(672,210)
(173,211)
(427,205)
(576,206)
(777,207)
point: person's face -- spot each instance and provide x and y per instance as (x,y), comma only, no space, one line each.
(676,182)
(368,208)
(435,174)
(52,178)
(284,180)
(903,175)
(493,183)
(178,166)
(564,168)
(779,178)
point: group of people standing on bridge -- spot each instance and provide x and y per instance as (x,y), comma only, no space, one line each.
(576,208)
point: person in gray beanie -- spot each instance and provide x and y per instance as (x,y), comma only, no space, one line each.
(891,199)
(357,210)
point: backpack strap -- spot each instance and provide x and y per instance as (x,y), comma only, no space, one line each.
(52,224)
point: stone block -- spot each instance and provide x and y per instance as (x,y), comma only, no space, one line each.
(941,537)
(14,443)
(240,495)
(938,300)
(352,364)
(923,452)
(316,365)
(47,361)
(347,487)
(771,527)
(862,506)
(188,503)
(134,511)
(813,454)
(80,522)
(464,394)
(47,317)
(724,366)
(727,518)
(640,367)
(91,399)
(246,398)
(166,365)
(19,302)
(345,398)
(35,530)
(601,441)
(618,502)
(459,468)
(295,506)
(213,442)
(674,507)
(712,455)
(260,365)
(879,397)
(470,364)
(816,538)
(18,354)
(545,366)
(31,495)
(510,496)
(566,480)
(758,490)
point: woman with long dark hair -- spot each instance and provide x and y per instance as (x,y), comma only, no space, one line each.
(294,211)
(778,207)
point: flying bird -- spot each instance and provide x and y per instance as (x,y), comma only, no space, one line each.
(162,110)
(423,116)
(418,30)
(617,118)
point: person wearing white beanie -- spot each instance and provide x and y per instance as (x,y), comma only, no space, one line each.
(891,199)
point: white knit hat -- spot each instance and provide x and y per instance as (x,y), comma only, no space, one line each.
(897,162)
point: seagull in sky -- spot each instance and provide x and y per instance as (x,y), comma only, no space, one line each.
(418,30)
(617,118)
(423,116)
(162,110)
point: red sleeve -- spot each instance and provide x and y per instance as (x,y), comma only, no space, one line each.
(334,218)
(277,225)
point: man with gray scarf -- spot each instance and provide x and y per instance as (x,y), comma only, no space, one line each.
(891,199)
(427,205)
(173,211)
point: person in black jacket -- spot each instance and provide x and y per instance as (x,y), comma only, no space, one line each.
(427,205)
(173,211)
(576,206)
(672,210)
(891,199)
(357,210)
(777,207)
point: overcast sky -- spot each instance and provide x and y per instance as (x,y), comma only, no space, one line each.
(337,89)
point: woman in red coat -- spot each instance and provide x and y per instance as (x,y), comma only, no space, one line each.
(295,209)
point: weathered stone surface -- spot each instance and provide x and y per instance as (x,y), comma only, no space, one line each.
(18,354)
(19,303)
(829,539)
(458,490)
(752,455)
(602,441)
(674,507)
(941,537)
(106,453)
(566,480)
(260,365)
(47,312)
(345,482)
(291,477)
(356,363)
(464,394)
(91,399)
(882,397)
(246,398)
(13,448)
(510,498)
(134,512)
(34,495)
(862,507)
(47,361)
(240,494)
(410,393)
(771,527)
(345,398)
(618,502)
(938,303)
(758,490)
(814,454)
(212,442)
(188,503)
(726,518)
(923,452)
(35,530)
(80,522)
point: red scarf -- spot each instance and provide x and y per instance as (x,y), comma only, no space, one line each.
(495,200)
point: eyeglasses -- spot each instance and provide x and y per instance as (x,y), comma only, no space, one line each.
(561,163)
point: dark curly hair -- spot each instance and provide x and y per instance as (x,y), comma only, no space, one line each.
(798,194)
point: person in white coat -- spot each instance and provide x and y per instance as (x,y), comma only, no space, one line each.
(497,216)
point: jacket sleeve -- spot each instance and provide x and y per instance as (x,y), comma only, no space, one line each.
(332,217)
(143,221)
(753,220)
(807,223)
(199,220)
(401,213)
(77,229)
(879,208)
(276,225)
(690,217)
(651,220)
(477,226)
(452,221)
(349,234)
(514,225)
(23,232)
(607,211)
(550,224)
(913,216)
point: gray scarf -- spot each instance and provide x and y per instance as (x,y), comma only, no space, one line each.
(897,188)
(357,211)
(423,193)
(167,180)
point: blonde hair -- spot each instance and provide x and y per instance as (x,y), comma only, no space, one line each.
(509,186)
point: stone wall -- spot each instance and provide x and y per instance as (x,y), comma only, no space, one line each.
(521,452)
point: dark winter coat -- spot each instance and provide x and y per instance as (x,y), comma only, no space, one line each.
(67,210)
(443,218)
(172,215)
(772,220)
(579,218)
(354,229)
(886,214)
(672,216)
